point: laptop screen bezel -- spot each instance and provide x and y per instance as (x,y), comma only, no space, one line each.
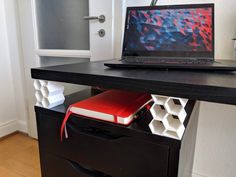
(184,54)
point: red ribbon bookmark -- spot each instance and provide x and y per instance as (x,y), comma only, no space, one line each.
(63,125)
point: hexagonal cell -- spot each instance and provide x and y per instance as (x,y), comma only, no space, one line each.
(160,100)
(52,89)
(174,123)
(52,101)
(37,85)
(39,96)
(158,112)
(172,107)
(175,109)
(174,134)
(157,127)
(179,101)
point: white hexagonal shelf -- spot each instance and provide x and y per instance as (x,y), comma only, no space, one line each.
(168,116)
(48,94)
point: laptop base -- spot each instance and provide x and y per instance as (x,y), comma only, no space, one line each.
(223,65)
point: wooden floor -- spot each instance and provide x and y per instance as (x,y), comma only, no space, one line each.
(19,157)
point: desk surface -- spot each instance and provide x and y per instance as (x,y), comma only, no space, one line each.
(197,85)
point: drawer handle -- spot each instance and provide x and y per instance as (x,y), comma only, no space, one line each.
(88,171)
(95,132)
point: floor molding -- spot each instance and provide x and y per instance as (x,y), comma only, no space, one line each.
(13,126)
(22,126)
(8,128)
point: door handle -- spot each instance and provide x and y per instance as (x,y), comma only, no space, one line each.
(100,18)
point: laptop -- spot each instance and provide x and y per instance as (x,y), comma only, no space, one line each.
(173,36)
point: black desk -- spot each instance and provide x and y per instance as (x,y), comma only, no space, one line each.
(83,153)
(217,87)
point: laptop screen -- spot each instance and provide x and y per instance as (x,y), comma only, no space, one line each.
(170,31)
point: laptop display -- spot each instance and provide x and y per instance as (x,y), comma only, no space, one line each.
(179,31)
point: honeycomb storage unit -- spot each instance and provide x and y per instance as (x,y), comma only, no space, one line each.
(168,116)
(48,94)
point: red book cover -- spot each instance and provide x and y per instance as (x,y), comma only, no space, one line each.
(116,106)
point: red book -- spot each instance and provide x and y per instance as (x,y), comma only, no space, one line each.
(113,106)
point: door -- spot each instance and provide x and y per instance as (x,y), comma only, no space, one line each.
(59,32)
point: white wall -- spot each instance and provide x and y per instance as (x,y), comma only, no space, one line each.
(16,58)
(9,114)
(216,140)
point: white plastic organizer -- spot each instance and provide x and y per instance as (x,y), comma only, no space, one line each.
(48,94)
(168,116)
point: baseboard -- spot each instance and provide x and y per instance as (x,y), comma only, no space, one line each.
(22,126)
(13,126)
(8,128)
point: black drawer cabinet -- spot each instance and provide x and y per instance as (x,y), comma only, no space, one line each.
(97,148)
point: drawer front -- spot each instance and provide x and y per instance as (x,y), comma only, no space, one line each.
(54,166)
(113,153)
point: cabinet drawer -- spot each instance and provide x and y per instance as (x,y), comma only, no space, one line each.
(55,166)
(111,152)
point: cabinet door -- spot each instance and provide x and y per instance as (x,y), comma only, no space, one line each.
(113,153)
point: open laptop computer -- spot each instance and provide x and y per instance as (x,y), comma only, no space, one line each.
(175,36)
